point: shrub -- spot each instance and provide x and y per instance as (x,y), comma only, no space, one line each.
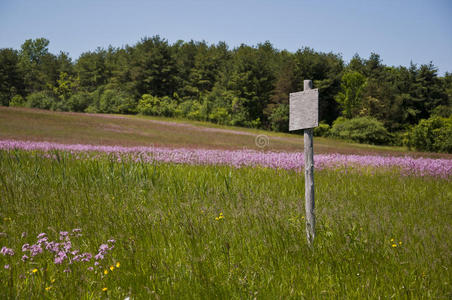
(239,118)
(168,107)
(79,102)
(443,111)
(240,115)
(17,101)
(184,108)
(400,138)
(147,104)
(114,101)
(434,134)
(96,95)
(220,115)
(195,111)
(322,130)
(151,105)
(361,130)
(254,123)
(40,100)
(279,119)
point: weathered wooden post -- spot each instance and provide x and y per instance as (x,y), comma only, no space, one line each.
(304,114)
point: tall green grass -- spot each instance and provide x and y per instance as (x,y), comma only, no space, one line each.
(170,245)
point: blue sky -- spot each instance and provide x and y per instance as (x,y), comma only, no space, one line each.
(400,31)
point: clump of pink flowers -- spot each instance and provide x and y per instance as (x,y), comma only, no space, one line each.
(103,249)
(61,251)
(7,251)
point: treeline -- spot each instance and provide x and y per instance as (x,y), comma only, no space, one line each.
(364,100)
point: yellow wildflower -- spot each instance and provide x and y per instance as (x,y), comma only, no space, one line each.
(221,216)
(112,268)
(48,288)
(34,271)
(104,289)
(400,243)
(118,264)
(394,245)
(392,240)
(105,272)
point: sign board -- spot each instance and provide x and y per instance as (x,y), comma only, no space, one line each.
(304,114)
(304,109)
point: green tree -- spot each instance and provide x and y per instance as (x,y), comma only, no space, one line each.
(209,62)
(349,97)
(11,82)
(447,85)
(37,65)
(284,84)
(185,56)
(64,63)
(91,70)
(325,70)
(252,78)
(429,90)
(357,64)
(153,69)
(66,86)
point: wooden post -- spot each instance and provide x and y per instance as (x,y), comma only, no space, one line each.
(309,177)
(304,114)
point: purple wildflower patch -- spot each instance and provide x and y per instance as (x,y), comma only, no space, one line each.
(240,158)
(7,251)
(62,253)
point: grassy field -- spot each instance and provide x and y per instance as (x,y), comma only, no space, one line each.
(98,129)
(218,232)
(90,226)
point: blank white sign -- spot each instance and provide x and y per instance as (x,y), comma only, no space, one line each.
(304,110)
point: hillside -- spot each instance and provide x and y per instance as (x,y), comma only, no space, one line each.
(103,129)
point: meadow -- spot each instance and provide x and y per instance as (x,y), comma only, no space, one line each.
(125,207)
(95,226)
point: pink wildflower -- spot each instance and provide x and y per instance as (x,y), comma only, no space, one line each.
(7,251)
